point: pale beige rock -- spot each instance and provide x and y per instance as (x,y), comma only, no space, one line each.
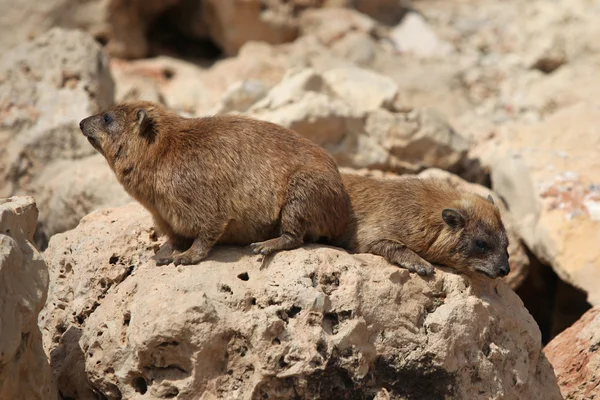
(575,357)
(122,24)
(314,322)
(191,89)
(25,372)
(349,111)
(71,189)
(548,175)
(271,21)
(46,87)
(413,35)
(363,90)
(519,262)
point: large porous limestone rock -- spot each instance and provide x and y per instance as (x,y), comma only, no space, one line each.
(24,369)
(311,323)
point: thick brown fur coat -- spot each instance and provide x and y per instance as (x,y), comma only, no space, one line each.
(416,222)
(225,179)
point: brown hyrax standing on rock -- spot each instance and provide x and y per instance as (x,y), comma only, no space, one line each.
(225,179)
(416,222)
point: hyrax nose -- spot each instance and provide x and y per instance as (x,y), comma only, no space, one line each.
(505,269)
(81,124)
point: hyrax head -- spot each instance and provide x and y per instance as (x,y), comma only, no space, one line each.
(480,243)
(128,126)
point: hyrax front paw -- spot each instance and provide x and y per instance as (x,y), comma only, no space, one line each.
(185,258)
(421,267)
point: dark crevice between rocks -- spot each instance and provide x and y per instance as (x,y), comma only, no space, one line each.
(554,304)
(167,36)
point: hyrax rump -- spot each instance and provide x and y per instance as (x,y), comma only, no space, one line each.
(224,179)
(416,222)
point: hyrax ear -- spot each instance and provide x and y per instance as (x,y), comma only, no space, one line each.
(453,218)
(146,125)
(490,199)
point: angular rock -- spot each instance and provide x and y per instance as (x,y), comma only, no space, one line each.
(314,322)
(575,356)
(25,372)
(548,175)
(272,22)
(122,24)
(71,189)
(46,87)
(350,112)
(413,35)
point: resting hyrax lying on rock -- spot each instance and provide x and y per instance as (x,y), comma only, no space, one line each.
(416,222)
(226,179)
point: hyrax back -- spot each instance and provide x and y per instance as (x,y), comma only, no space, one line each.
(416,222)
(225,179)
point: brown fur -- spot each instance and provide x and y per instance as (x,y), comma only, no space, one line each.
(416,222)
(226,179)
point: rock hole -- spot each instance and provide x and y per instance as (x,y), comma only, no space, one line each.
(293,311)
(126,318)
(171,393)
(139,385)
(130,270)
(102,39)
(168,73)
(253,301)
(282,363)
(486,350)
(276,341)
(100,333)
(243,276)
(322,348)
(171,343)
(313,278)
(333,320)
(225,289)
(113,259)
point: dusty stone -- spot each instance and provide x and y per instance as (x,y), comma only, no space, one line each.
(550,183)
(71,189)
(46,87)
(121,24)
(362,89)
(575,356)
(272,22)
(315,322)
(519,262)
(191,89)
(349,111)
(25,372)
(413,35)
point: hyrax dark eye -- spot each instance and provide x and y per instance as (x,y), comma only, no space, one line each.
(481,245)
(107,119)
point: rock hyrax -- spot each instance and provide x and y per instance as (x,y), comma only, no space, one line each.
(225,179)
(416,222)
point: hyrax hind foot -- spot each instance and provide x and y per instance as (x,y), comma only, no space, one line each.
(284,242)
(196,253)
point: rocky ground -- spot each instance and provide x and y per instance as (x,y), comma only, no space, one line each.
(495,96)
